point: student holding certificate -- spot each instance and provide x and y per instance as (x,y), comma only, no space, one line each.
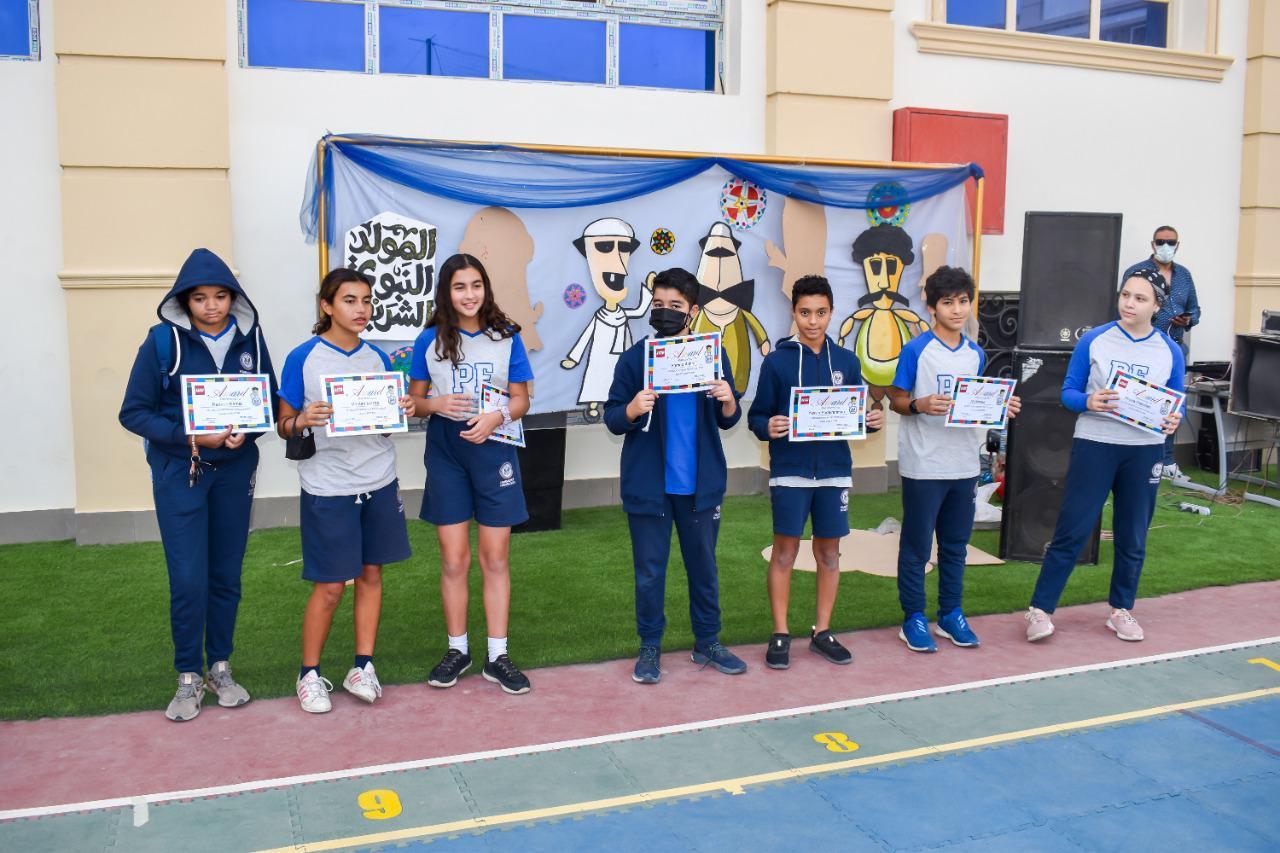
(809,479)
(202,484)
(1110,455)
(939,465)
(352,520)
(469,344)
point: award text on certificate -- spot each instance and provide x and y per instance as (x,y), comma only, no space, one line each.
(364,403)
(685,363)
(980,401)
(837,413)
(240,402)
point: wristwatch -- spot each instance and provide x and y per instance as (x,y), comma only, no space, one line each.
(506,414)
(912,407)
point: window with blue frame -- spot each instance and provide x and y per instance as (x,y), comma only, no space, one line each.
(19,29)
(666,44)
(315,34)
(1135,22)
(976,13)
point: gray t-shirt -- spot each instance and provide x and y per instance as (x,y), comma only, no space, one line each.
(927,448)
(343,465)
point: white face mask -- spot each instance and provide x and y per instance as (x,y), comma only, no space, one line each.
(1164,254)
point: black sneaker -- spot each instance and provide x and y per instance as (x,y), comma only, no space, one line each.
(446,673)
(778,655)
(503,673)
(825,644)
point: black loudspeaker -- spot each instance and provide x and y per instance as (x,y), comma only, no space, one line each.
(1255,377)
(998,331)
(1037,458)
(1070,268)
(542,470)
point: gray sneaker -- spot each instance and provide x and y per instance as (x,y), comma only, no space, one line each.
(186,702)
(229,693)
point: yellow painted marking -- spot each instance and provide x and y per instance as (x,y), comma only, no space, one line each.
(835,741)
(1266,662)
(380,804)
(473,823)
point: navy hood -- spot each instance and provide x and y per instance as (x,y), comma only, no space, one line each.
(204,267)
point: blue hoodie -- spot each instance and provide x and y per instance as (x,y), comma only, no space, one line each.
(644,466)
(792,364)
(155,412)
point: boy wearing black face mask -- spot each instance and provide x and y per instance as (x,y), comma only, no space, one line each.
(673,470)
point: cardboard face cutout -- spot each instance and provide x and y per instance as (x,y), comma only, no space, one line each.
(608,244)
(499,239)
(884,252)
(725,300)
(804,234)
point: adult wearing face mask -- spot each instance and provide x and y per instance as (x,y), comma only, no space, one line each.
(1180,311)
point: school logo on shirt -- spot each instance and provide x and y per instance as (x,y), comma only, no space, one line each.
(506,474)
(844,499)
(246,361)
(837,377)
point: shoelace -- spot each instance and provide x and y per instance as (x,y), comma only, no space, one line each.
(188,690)
(315,689)
(371,678)
(648,654)
(221,678)
(713,652)
(1036,615)
(1126,616)
(504,665)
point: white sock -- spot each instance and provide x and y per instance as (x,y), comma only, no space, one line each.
(497,646)
(459,643)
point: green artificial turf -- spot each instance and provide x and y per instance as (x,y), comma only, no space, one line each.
(86,629)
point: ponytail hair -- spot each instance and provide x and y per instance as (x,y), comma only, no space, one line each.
(329,288)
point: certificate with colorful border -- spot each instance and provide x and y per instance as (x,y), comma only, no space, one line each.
(364,403)
(1143,405)
(828,413)
(681,364)
(492,399)
(980,401)
(240,401)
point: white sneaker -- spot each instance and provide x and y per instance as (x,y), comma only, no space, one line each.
(1126,627)
(363,683)
(313,693)
(185,704)
(1172,472)
(1039,625)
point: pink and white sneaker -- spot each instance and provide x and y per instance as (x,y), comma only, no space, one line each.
(363,683)
(1039,625)
(313,693)
(1126,627)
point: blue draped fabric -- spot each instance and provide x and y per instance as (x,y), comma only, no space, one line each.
(509,176)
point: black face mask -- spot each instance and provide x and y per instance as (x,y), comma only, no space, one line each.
(667,321)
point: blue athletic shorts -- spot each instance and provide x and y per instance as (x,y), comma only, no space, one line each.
(344,533)
(466,481)
(793,505)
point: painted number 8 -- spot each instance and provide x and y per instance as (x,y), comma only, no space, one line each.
(835,741)
(380,804)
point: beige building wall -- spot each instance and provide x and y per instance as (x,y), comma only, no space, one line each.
(143,143)
(1258,264)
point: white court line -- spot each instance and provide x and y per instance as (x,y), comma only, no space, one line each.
(417,764)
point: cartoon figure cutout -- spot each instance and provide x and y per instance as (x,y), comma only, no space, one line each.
(888,322)
(607,244)
(725,300)
(500,240)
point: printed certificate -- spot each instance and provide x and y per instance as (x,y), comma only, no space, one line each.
(980,401)
(686,363)
(829,413)
(492,399)
(1142,404)
(364,403)
(241,401)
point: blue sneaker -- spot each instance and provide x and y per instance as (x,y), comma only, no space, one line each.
(953,627)
(719,657)
(647,670)
(915,633)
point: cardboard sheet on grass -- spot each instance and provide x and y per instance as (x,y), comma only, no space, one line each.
(876,554)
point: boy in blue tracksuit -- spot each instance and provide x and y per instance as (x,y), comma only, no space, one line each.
(203,486)
(1110,455)
(938,464)
(673,470)
(806,479)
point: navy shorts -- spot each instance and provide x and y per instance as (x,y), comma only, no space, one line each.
(466,481)
(344,533)
(792,506)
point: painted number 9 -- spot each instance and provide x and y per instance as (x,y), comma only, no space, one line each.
(379,804)
(835,741)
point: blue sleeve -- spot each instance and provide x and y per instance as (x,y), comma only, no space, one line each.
(982,358)
(519,369)
(1077,379)
(143,412)
(726,373)
(418,360)
(1193,304)
(908,362)
(766,403)
(386,359)
(292,387)
(626,384)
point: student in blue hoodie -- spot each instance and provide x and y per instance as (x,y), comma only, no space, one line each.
(806,479)
(203,485)
(673,471)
